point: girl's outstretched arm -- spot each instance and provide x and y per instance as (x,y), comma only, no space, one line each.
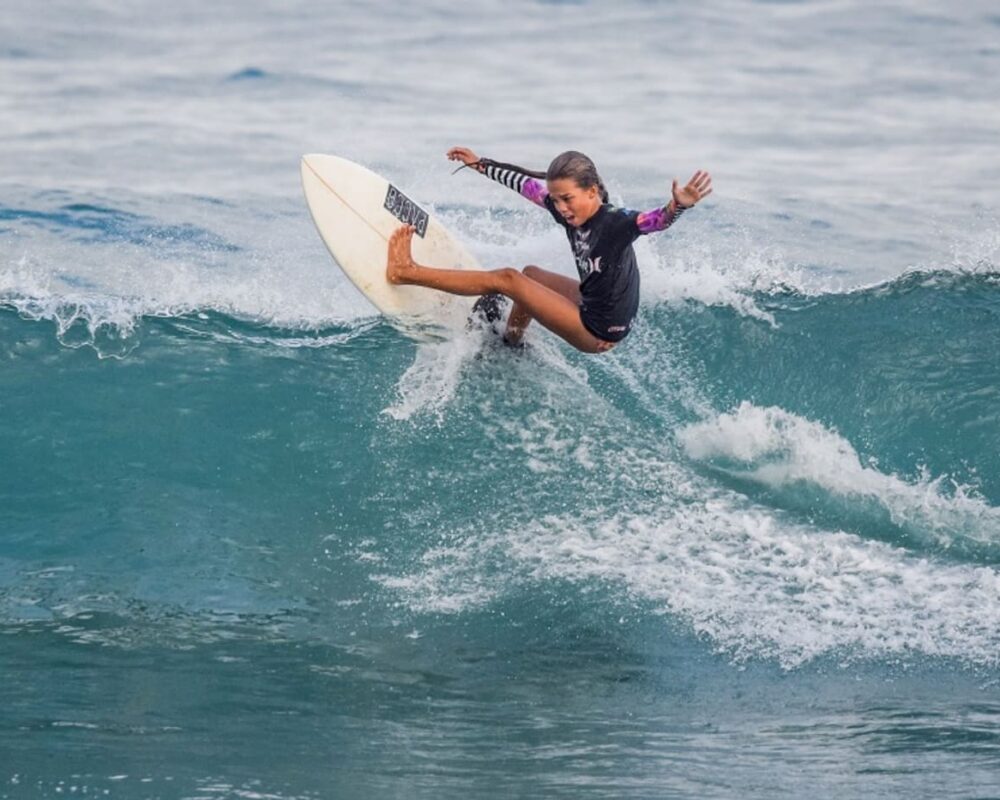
(659,219)
(513,177)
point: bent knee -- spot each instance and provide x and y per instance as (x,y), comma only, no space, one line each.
(508,278)
(532,271)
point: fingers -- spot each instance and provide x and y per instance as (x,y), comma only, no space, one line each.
(701,181)
(463,154)
(699,187)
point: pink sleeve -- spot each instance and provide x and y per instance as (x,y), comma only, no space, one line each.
(659,219)
(535,191)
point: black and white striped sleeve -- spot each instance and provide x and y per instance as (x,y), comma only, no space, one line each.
(524,185)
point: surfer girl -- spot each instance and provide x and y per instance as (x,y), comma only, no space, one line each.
(593,313)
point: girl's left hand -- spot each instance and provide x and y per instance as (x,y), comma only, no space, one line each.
(698,188)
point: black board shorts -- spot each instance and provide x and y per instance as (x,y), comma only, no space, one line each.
(610,323)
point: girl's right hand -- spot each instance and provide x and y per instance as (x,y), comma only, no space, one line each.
(463,154)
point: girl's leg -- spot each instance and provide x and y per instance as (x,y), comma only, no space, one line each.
(556,312)
(520,317)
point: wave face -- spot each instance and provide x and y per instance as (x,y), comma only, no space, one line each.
(255,541)
(842,421)
(784,489)
(886,395)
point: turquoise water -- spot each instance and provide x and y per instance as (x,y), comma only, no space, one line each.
(257,542)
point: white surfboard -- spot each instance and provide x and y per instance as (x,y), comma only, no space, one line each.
(356,211)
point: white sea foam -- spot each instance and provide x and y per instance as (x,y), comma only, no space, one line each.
(759,586)
(691,270)
(750,579)
(778,449)
(755,585)
(103,288)
(430,382)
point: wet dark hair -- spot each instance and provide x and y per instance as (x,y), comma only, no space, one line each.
(578,168)
(571,164)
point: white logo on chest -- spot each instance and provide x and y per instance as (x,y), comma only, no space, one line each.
(584,263)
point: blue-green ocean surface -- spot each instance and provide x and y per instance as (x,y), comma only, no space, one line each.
(256,542)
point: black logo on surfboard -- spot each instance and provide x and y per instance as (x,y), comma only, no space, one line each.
(405,210)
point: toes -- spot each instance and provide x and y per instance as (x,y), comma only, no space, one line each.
(401,236)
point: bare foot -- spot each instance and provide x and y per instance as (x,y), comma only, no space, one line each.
(400,262)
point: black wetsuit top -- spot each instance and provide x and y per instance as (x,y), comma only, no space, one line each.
(602,248)
(609,275)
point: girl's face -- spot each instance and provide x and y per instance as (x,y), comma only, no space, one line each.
(576,204)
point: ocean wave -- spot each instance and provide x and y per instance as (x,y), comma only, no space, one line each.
(90,222)
(905,370)
(961,279)
(755,585)
(805,465)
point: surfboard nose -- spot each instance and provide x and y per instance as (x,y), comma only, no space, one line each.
(356,211)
